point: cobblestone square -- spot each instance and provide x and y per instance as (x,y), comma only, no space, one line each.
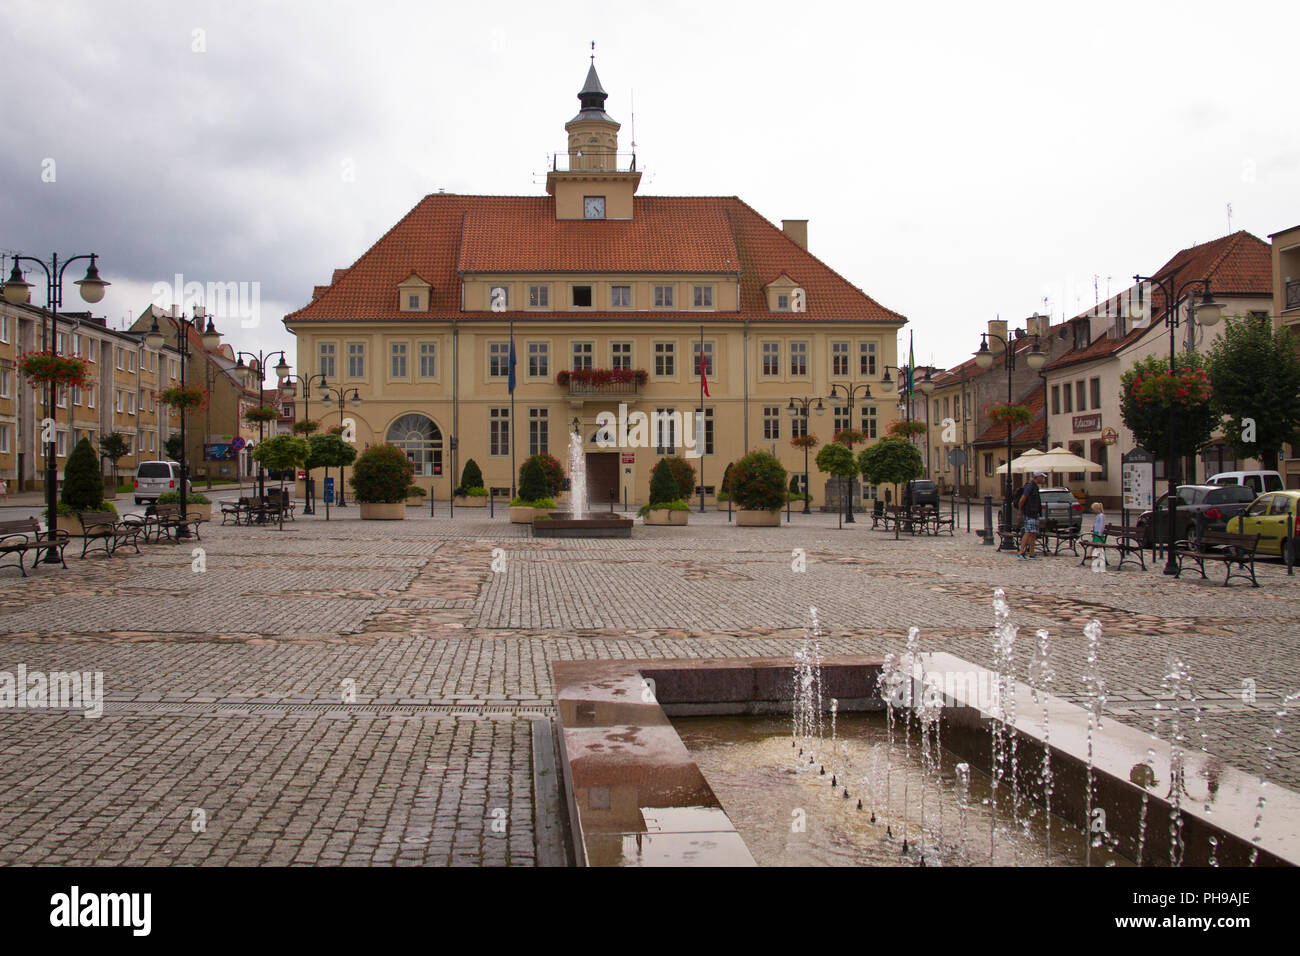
(362,693)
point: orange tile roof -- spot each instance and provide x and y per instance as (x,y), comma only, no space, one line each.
(1239,264)
(447,235)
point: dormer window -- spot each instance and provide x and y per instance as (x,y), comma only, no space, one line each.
(783,303)
(413,294)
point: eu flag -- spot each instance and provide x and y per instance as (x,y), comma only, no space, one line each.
(510,382)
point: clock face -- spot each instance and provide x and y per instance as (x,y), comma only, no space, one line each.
(593,207)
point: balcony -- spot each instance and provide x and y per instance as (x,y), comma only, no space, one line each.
(1292,299)
(596,160)
(602,382)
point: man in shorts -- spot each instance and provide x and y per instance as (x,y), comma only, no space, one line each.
(1031,509)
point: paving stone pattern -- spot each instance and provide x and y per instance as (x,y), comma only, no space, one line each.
(360,693)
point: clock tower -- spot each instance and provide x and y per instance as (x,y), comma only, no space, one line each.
(593,182)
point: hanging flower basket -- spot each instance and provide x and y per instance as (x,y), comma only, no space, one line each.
(905,428)
(804,441)
(305,427)
(849,436)
(1013,416)
(185,399)
(261,414)
(1187,386)
(42,368)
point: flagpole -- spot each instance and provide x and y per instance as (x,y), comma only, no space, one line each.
(513,475)
(700,437)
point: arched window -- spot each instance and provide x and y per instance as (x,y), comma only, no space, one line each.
(421,439)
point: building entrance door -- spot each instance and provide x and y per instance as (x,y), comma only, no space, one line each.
(602,477)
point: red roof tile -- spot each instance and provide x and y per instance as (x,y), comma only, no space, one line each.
(446,235)
(1033,433)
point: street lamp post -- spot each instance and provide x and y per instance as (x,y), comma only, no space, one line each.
(850,392)
(154,338)
(984,359)
(798,411)
(335,393)
(255,367)
(17,291)
(1207,312)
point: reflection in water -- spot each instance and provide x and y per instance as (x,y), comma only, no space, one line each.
(790,815)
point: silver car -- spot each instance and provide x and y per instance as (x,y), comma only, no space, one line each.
(153,478)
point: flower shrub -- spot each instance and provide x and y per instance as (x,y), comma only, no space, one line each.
(381,473)
(758,482)
(552,473)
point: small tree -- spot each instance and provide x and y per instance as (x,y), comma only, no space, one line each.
(758,482)
(664,488)
(683,473)
(113,446)
(726,479)
(1152,400)
(282,453)
(836,459)
(552,473)
(173,448)
(470,477)
(532,482)
(83,483)
(382,474)
(1256,377)
(329,451)
(890,461)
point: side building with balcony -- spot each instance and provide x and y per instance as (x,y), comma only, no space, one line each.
(614,301)
(1286,312)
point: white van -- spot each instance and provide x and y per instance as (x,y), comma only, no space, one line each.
(153,478)
(1258,481)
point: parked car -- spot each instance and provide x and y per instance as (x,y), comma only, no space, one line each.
(1257,481)
(153,478)
(921,493)
(1201,508)
(1266,516)
(1060,508)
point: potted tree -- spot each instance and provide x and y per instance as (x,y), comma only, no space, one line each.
(758,488)
(415,496)
(470,493)
(83,483)
(532,499)
(667,505)
(381,477)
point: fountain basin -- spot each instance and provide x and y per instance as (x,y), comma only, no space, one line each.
(562,524)
(627,772)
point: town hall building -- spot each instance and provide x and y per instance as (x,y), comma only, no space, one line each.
(612,298)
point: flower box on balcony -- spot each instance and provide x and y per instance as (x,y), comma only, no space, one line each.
(602,381)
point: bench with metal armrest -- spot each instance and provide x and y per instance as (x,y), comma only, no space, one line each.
(19,537)
(1231,549)
(1127,542)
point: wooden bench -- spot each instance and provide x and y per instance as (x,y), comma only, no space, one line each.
(1231,549)
(1125,541)
(19,537)
(104,528)
(170,521)
(1009,539)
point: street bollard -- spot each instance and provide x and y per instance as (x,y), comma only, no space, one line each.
(988,519)
(1290,544)
(612,499)
(956,525)
(432,499)
(728,505)
(968,527)
(787,506)
(492,502)
(625,493)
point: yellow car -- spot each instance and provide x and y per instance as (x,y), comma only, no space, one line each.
(1266,517)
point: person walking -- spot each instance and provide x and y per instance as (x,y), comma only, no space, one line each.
(1031,509)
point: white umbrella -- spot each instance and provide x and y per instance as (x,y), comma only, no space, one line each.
(1023,462)
(1063,460)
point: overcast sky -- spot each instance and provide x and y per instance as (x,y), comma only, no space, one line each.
(956,161)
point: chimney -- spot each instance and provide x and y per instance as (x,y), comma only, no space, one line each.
(997,327)
(796,230)
(1038,324)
